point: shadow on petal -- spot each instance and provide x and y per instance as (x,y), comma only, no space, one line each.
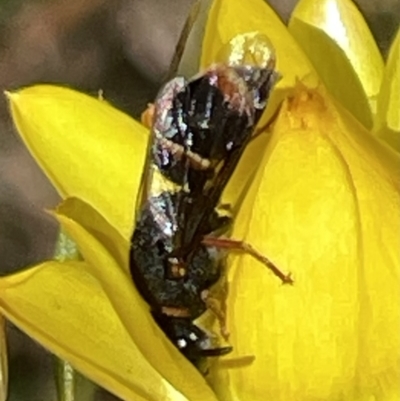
(387,124)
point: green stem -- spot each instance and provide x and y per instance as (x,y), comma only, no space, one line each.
(66,381)
(3,361)
(71,386)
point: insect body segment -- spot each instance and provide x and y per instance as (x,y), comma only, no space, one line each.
(200,129)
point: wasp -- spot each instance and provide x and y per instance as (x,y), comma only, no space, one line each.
(200,128)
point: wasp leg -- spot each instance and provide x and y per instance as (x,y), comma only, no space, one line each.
(179,151)
(147,116)
(214,305)
(241,246)
(237,362)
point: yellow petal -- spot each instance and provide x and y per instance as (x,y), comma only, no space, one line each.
(337,40)
(65,309)
(227,19)
(134,314)
(81,212)
(86,148)
(325,206)
(388,115)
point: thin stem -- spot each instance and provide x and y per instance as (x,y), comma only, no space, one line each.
(66,381)
(3,361)
(71,386)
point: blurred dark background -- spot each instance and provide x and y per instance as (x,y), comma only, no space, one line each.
(123,47)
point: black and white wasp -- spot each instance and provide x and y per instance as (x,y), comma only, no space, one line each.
(200,129)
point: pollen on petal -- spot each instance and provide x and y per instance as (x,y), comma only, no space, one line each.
(337,40)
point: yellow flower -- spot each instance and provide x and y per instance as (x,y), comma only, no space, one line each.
(387,121)
(322,202)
